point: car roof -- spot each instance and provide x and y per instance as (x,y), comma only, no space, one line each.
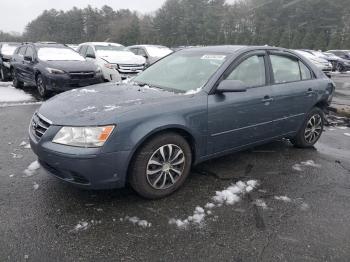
(162,46)
(231,49)
(101,43)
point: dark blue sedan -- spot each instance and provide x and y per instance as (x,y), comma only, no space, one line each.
(191,106)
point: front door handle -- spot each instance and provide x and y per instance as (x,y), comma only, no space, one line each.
(267,99)
(310,91)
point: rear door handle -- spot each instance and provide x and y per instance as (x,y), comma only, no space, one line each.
(310,91)
(267,99)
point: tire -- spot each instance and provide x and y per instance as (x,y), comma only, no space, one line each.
(41,86)
(151,173)
(3,75)
(340,68)
(311,130)
(15,81)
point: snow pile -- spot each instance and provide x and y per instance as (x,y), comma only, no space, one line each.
(228,196)
(89,108)
(82,225)
(347,134)
(11,94)
(342,127)
(137,221)
(25,145)
(35,186)
(283,198)
(260,203)
(31,169)
(110,108)
(308,163)
(17,156)
(192,92)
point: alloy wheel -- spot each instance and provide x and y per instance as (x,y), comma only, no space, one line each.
(313,129)
(40,86)
(165,166)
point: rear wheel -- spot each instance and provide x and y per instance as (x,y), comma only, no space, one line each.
(311,130)
(15,81)
(161,166)
(340,68)
(3,75)
(41,86)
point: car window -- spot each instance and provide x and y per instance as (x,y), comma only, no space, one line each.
(82,50)
(285,69)
(90,51)
(22,50)
(305,72)
(251,71)
(29,52)
(142,52)
(134,50)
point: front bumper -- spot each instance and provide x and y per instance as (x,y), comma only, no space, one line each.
(65,82)
(83,167)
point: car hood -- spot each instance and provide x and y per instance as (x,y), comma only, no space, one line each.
(121,57)
(71,66)
(102,104)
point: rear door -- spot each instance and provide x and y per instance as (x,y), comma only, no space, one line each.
(294,91)
(28,66)
(18,62)
(240,119)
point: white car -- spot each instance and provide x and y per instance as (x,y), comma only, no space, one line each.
(321,63)
(116,62)
(152,53)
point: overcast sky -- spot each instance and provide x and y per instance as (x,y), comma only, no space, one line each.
(15,14)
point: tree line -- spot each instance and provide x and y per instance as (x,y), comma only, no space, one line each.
(312,24)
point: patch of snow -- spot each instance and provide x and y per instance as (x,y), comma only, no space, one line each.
(82,225)
(35,186)
(304,206)
(342,127)
(11,94)
(260,203)
(12,175)
(297,167)
(86,91)
(31,169)
(228,196)
(110,108)
(89,108)
(347,134)
(16,156)
(25,145)
(310,163)
(283,198)
(192,92)
(331,129)
(137,221)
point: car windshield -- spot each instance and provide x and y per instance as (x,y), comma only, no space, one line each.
(110,48)
(8,49)
(58,54)
(158,51)
(183,71)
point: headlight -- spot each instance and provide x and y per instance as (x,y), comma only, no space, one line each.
(83,136)
(55,71)
(109,66)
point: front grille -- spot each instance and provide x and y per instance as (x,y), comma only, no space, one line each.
(39,125)
(131,69)
(81,75)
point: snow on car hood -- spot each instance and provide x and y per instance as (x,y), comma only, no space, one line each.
(101,104)
(121,57)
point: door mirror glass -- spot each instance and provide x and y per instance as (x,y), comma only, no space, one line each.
(231,86)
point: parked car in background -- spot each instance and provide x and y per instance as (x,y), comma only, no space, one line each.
(52,67)
(6,52)
(345,54)
(191,106)
(321,63)
(339,64)
(115,60)
(74,47)
(152,53)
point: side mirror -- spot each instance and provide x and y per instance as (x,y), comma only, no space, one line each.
(90,56)
(28,58)
(231,86)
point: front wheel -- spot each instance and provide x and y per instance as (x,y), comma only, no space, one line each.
(311,130)
(3,75)
(340,68)
(41,86)
(160,166)
(15,81)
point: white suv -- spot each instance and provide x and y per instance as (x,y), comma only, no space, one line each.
(116,62)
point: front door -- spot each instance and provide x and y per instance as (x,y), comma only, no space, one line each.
(240,119)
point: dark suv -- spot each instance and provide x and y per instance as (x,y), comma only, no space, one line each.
(6,52)
(52,67)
